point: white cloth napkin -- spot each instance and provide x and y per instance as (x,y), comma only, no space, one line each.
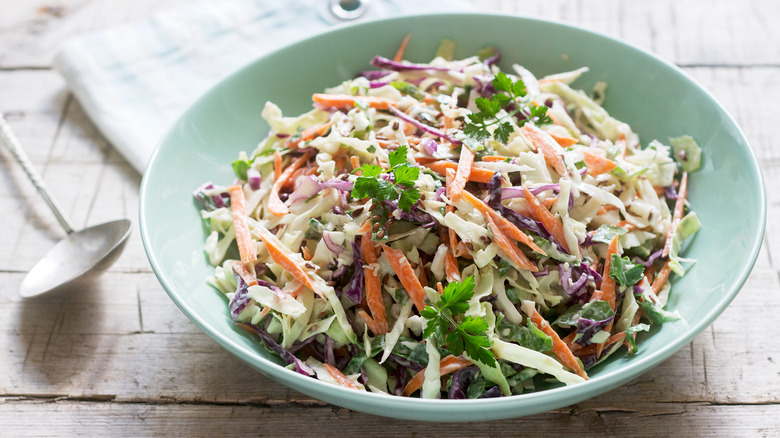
(135,80)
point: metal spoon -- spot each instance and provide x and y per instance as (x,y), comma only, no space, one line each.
(348,9)
(80,252)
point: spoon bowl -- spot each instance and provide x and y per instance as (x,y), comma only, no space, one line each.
(80,252)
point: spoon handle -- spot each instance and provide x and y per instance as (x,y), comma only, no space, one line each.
(10,140)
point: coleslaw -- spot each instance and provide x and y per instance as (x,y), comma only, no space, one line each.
(502,227)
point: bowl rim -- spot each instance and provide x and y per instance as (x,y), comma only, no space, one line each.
(460,410)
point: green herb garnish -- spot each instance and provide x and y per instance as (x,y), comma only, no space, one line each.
(624,271)
(469,334)
(372,184)
(509,93)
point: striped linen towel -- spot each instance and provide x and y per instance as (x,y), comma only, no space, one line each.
(135,80)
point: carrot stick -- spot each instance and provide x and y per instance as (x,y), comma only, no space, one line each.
(399,55)
(503,223)
(597,164)
(345,101)
(493,158)
(608,285)
(306,253)
(462,173)
(661,278)
(679,206)
(552,152)
(309,133)
(560,349)
(449,208)
(246,246)
(406,274)
(448,365)
(563,140)
(451,267)
(275,205)
(245,275)
(370,322)
(604,209)
(373,286)
(365,227)
(515,255)
(477,174)
(339,377)
(547,219)
(278,253)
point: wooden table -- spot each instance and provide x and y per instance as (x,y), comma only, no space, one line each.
(117,357)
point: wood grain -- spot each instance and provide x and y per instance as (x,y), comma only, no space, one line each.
(118,357)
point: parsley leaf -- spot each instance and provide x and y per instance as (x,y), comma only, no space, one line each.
(511,97)
(372,184)
(398,156)
(624,271)
(468,335)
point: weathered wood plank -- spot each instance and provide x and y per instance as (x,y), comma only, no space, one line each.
(735,33)
(140,419)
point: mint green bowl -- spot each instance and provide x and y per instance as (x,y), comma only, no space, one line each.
(653,96)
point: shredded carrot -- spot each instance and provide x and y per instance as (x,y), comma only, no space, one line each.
(503,223)
(547,219)
(627,225)
(462,173)
(493,158)
(513,252)
(449,208)
(399,55)
(297,290)
(476,174)
(549,202)
(659,190)
(370,322)
(597,164)
(451,267)
(608,284)
(553,153)
(279,255)
(661,278)
(440,288)
(275,205)
(246,246)
(309,133)
(604,209)
(373,286)
(366,227)
(597,295)
(405,273)
(560,349)
(563,140)
(339,377)
(345,101)
(448,365)
(679,206)
(306,253)
(354,161)
(245,275)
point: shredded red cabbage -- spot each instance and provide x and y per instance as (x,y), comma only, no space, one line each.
(334,247)
(286,356)
(389,64)
(253,178)
(429,129)
(354,290)
(589,327)
(240,299)
(460,382)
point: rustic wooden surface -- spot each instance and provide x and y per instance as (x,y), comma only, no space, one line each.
(117,357)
